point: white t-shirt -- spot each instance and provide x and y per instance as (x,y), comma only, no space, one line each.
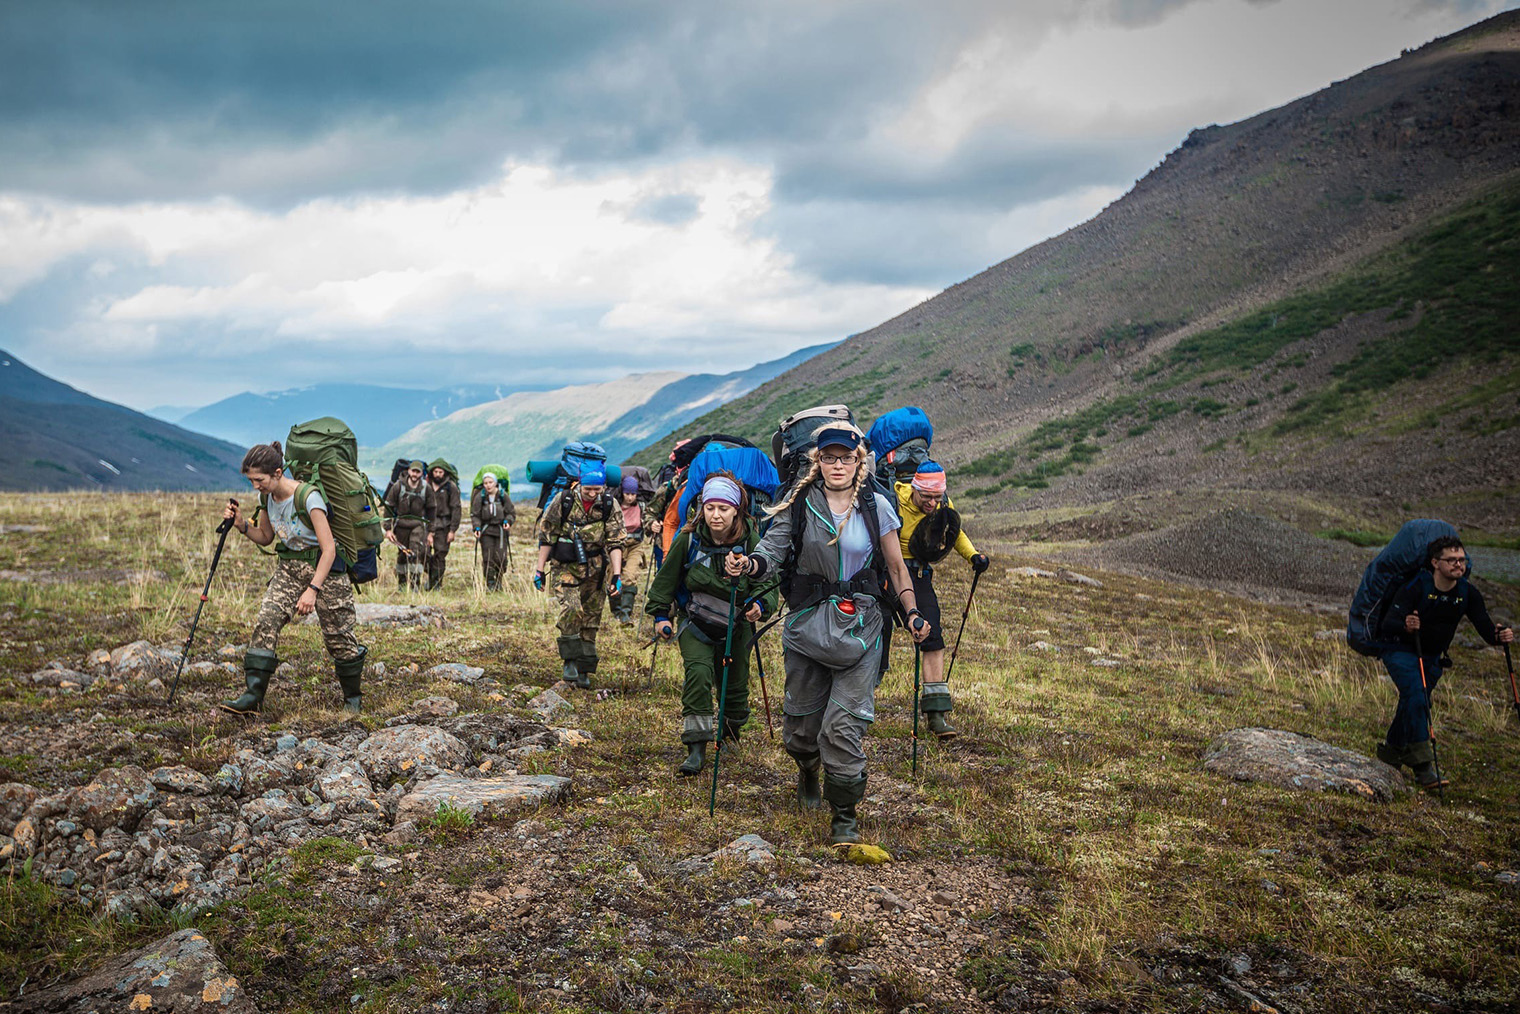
(856,543)
(287,525)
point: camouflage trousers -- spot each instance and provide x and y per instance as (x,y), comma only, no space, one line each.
(582,593)
(411,557)
(335,609)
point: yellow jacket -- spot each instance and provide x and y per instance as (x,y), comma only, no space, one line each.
(911,516)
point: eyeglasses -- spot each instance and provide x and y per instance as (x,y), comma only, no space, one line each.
(836,459)
(1451,560)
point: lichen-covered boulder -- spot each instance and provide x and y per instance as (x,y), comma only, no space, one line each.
(117,797)
(485,797)
(1293,761)
(404,749)
(178,974)
(179,778)
(344,779)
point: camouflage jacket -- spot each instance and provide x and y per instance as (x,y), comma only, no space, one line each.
(565,517)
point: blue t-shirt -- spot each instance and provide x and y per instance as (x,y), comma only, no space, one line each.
(856,542)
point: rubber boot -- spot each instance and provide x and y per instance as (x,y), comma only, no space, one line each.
(1422,758)
(350,671)
(939,726)
(258,666)
(695,758)
(401,582)
(586,665)
(809,792)
(936,704)
(570,653)
(434,583)
(843,797)
(1390,756)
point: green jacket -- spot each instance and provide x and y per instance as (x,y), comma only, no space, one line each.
(698,570)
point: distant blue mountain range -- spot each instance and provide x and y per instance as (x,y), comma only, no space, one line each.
(376,414)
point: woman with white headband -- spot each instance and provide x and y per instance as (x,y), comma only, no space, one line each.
(691,586)
(834,547)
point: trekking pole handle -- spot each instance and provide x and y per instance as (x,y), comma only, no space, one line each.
(226,525)
(735,551)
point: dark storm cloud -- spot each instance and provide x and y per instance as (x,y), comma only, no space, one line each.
(116,102)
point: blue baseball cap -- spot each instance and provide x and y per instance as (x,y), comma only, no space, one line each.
(838,437)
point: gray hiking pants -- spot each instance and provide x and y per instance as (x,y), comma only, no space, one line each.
(827,711)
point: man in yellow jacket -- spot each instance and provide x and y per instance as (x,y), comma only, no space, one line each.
(930,529)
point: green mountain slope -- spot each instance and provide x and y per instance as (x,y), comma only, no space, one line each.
(1239,316)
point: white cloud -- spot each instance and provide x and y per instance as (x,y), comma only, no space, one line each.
(506,259)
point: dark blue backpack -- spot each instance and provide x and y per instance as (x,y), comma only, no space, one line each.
(1395,566)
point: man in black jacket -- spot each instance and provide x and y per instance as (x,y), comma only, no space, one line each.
(1422,619)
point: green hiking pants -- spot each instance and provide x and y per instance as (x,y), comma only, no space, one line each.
(704,669)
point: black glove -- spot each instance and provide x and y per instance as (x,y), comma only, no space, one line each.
(979,563)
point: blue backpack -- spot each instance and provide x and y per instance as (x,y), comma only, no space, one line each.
(555,476)
(748,464)
(901,440)
(1395,566)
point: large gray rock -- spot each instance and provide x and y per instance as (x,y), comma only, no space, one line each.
(484,797)
(118,797)
(143,660)
(179,778)
(402,750)
(383,614)
(456,671)
(178,974)
(342,780)
(1292,761)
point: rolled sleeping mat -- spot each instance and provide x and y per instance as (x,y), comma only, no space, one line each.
(547,472)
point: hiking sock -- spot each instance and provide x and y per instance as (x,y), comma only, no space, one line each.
(258,666)
(843,796)
(350,671)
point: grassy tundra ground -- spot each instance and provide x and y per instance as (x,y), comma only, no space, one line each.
(1065,853)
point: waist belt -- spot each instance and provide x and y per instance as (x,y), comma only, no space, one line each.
(410,517)
(311,555)
(807,590)
(918,569)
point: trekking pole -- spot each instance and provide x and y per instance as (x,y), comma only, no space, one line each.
(221,531)
(728,650)
(964,613)
(1513,689)
(764,694)
(1430,718)
(918,657)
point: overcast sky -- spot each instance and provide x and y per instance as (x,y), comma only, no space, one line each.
(199,198)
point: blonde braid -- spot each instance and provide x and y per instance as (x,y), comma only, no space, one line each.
(813,472)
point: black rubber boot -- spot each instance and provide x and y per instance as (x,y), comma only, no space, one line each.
(401,582)
(809,792)
(1388,755)
(843,797)
(350,671)
(258,667)
(694,759)
(434,583)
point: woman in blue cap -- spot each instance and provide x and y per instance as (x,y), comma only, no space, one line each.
(834,543)
(581,532)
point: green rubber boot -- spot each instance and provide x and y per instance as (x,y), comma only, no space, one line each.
(350,671)
(809,791)
(258,666)
(843,797)
(695,758)
(1388,755)
(1422,758)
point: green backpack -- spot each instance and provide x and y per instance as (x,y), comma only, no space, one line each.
(323,454)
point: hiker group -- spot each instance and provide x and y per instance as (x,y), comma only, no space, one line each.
(423,511)
(835,535)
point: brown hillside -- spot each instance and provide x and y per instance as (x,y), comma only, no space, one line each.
(1236,218)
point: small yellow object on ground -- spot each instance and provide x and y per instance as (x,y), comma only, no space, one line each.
(862,855)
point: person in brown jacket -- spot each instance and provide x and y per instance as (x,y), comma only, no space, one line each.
(492,515)
(447,513)
(408,515)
